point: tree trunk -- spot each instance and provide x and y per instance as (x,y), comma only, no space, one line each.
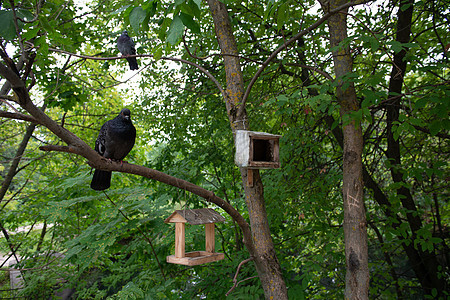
(263,252)
(414,255)
(355,225)
(424,263)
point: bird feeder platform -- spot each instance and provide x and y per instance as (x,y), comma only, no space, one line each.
(205,216)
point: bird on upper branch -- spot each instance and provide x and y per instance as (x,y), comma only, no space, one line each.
(115,140)
(126,46)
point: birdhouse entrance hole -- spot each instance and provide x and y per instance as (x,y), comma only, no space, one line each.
(205,216)
(262,150)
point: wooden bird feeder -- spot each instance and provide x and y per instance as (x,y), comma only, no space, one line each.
(205,216)
(257,150)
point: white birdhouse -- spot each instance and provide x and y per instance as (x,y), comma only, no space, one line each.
(257,150)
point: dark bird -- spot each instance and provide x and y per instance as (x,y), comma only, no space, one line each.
(115,140)
(126,46)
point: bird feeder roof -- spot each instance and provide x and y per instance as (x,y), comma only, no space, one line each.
(195,216)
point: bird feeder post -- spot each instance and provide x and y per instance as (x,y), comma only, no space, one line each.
(250,177)
(210,241)
(179,240)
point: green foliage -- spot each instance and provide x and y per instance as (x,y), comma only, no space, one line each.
(184,131)
(137,17)
(7,25)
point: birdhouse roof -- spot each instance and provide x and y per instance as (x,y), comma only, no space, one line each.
(256,134)
(195,216)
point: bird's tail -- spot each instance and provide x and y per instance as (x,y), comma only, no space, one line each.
(133,63)
(101,180)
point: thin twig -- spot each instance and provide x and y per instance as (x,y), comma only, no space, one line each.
(236,283)
(16,26)
(202,69)
(217,54)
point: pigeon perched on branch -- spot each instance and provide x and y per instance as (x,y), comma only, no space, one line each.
(126,46)
(115,140)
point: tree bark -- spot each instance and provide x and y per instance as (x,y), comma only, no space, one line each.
(263,253)
(355,225)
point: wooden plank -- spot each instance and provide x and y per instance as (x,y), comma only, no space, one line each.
(250,151)
(263,135)
(195,258)
(210,243)
(263,165)
(276,150)
(179,240)
(250,177)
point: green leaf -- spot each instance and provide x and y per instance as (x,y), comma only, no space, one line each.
(44,22)
(434,292)
(269,10)
(25,14)
(374,44)
(281,15)
(137,16)
(367,115)
(178,2)
(43,46)
(445,124)
(421,103)
(123,8)
(395,46)
(405,6)
(175,30)
(157,54)
(145,22)
(31,33)
(282,99)
(410,45)
(416,122)
(435,127)
(189,22)
(163,25)
(7,28)
(150,8)
(198,2)
(192,9)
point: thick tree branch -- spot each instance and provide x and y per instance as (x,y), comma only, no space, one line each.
(12,76)
(107,165)
(78,146)
(18,116)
